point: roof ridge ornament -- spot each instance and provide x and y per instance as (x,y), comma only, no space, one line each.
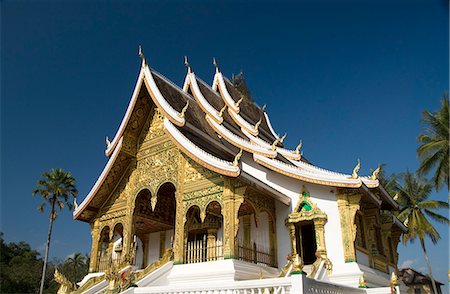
(375,173)
(255,128)
(274,144)
(282,138)
(263,108)
(356,170)
(222,110)
(215,65)
(237,157)
(108,142)
(297,149)
(183,111)
(141,55)
(239,101)
(186,62)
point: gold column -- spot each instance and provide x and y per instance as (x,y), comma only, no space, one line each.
(94,248)
(319,227)
(211,244)
(291,228)
(178,232)
(232,199)
(348,204)
(128,232)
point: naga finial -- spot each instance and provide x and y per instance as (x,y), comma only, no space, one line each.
(108,143)
(255,128)
(282,138)
(215,65)
(375,173)
(237,157)
(239,101)
(222,110)
(297,149)
(75,204)
(264,107)
(183,111)
(356,170)
(394,280)
(396,196)
(274,144)
(141,55)
(186,62)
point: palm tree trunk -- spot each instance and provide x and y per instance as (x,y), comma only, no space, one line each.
(422,242)
(47,248)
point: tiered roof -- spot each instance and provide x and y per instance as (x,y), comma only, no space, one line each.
(215,126)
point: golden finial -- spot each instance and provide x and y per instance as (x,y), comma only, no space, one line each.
(375,173)
(239,101)
(297,262)
(237,157)
(274,144)
(282,138)
(108,143)
(183,111)
(141,55)
(297,149)
(394,279)
(396,196)
(222,110)
(75,204)
(362,282)
(215,65)
(186,62)
(356,170)
(255,128)
(264,107)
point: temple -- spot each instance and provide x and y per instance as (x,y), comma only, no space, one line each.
(200,195)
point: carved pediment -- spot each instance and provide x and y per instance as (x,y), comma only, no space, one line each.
(305,209)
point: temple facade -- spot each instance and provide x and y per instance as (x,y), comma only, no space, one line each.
(200,188)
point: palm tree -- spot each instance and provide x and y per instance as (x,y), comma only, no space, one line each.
(416,208)
(55,188)
(77,263)
(434,147)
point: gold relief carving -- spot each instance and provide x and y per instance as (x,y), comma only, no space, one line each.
(112,215)
(348,205)
(215,191)
(195,172)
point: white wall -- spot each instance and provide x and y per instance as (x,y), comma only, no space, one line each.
(283,239)
(153,247)
(117,239)
(139,253)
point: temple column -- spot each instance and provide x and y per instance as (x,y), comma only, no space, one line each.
(128,231)
(211,244)
(94,249)
(291,228)
(348,204)
(319,227)
(179,232)
(232,199)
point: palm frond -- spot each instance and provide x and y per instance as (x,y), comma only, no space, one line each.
(437,217)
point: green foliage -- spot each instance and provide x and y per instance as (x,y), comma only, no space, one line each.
(434,148)
(75,267)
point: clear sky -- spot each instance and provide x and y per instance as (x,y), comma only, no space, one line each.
(350,78)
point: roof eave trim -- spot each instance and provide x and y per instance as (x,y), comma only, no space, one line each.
(199,155)
(292,172)
(224,93)
(77,212)
(388,198)
(127,115)
(243,123)
(204,104)
(399,224)
(372,196)
(239,142)
(174,116)
(270,125)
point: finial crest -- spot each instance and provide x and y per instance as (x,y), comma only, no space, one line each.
(141,55)
(282,138)
(222,110)
(263,108)
(375,173)
(215,65)
(239,101)
(183,111)
(297,149)
(274,144)
(237,157)
(108,143)
(186,62)
(362,282)
(255,128)
(356,170)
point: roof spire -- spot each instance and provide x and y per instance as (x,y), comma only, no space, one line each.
(274,144)
(183,111)
(255,128)
(215,65)
(356,170)
(264,107)
(141,55)
(282,138)
(186,62)
(237,157)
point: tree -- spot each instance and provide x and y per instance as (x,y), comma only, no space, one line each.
(415,209)
(55,188)
(75,267)
(434,147)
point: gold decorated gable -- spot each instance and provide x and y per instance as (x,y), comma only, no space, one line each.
(305,209)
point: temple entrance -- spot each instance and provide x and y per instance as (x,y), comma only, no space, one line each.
(204,234)
(153,224)
(305,236)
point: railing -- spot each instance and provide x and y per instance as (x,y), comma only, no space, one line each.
(105,262)
(251,254)
(201,251)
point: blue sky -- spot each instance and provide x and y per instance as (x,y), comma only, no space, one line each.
(350,78)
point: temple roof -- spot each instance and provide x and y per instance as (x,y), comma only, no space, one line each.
(213,125)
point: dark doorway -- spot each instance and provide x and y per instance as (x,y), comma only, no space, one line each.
(306,241)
